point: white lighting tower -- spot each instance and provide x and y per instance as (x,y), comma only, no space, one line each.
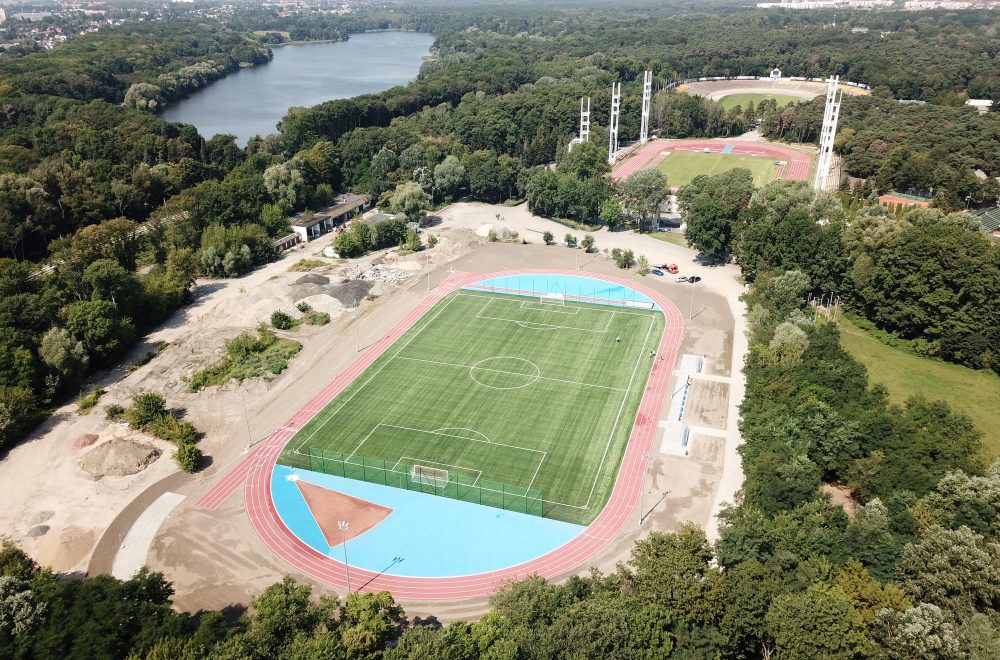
(616,106)
(647,96)
(829,131)
(584,135)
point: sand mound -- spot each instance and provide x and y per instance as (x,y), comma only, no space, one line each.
(322,302)
(312,278)
(85,440)
(64,551)
(484,230)
(119,457)
(409,265)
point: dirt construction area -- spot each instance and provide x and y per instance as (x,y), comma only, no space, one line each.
(76,515)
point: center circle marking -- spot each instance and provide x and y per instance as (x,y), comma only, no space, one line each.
(494,365)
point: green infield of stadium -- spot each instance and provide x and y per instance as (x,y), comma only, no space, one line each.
(539,396)
(732,100)
(683,166)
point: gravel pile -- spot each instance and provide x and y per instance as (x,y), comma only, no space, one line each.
(378,274)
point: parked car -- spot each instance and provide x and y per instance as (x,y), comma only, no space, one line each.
(694,278)
(657,271)
(670,268)
(681,278)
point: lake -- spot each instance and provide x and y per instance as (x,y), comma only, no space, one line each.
(252,101)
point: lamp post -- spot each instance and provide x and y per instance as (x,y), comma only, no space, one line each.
(691,305)
(343,526)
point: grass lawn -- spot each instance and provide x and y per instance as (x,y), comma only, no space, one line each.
(733,100)
(975,393)
(497,388)
(683,166)
(676,237)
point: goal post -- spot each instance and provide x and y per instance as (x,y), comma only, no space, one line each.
(428,476)
(552,298)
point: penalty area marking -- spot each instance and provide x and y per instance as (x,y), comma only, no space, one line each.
(532,325)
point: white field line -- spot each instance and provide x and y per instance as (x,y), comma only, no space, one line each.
(618,417)
(597,307)
(371,378)
(532,325)
(542,308)
(511,373)
(530,483)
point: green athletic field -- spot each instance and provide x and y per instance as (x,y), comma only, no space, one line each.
(683,166)
(742,100)
(493,388)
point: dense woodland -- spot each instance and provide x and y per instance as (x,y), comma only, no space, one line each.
(128,210)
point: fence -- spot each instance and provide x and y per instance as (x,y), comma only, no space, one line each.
(457,487)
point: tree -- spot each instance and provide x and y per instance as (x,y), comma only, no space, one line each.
(449,176)
(585,161)
(788,344)
(817,623)
(642,194)
(642,265)
(921,631)
(673,571)
(711,206)
(623,258)
(20,409)
(611,212)
(409,198)
(370,622)
(19,609)
(958,570)
(548,238)
(99,326)
(570,240)
(286,183)
(587,243)
(65,355)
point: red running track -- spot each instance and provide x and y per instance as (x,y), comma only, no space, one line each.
(255,471)
(652,154)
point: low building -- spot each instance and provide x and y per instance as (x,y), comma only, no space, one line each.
(345,206)
(989,221)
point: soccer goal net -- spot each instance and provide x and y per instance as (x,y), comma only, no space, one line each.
(553,298)
(429,476)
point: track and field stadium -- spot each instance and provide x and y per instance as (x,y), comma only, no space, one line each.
(498,431)
(682,160)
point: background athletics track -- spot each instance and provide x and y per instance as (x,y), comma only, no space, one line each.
(254,470)
(797,169)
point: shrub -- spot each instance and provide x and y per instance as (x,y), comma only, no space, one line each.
(114,412)
(642,265)
(432,240)
(548,238)
(588,243)
(85,403)
(145,409)
(178,431)
(570,240)
(188,457)
(491,235)
(316,318)
(303,306)
(282,321)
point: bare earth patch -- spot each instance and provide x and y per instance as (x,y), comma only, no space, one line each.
(119,457)
(85,440)
(841,495)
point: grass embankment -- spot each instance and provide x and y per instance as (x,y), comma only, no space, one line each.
(975,393)
(264,356)
(732,100)
(675,237)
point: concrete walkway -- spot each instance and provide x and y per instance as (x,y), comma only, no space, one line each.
(721,279)
(134,550)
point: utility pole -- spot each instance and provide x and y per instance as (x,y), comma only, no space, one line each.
(642,488)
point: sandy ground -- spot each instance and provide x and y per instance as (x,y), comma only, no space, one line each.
(215,559)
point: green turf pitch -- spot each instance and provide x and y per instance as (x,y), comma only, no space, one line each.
(505,388)
(732,100)
(683,166)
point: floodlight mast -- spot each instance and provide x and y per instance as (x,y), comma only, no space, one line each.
(585,119)
(828,133)
(616,104)
(647,97)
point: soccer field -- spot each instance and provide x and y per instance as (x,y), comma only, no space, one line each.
(488,388)
(732,100)
(683,166)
